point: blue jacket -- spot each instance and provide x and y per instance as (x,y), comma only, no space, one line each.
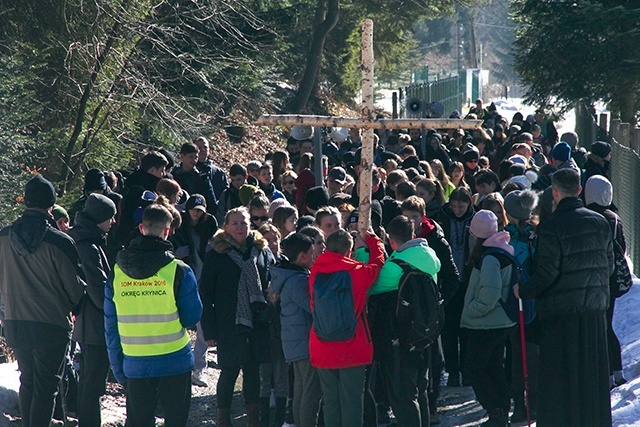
(292,284)
(144,257)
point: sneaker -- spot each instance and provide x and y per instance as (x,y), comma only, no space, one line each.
(197,379)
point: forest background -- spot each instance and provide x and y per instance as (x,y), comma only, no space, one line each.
(95,83)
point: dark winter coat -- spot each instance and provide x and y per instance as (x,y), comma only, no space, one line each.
(616,226)
(141,178)
(456,232)
(219,292)
(596,165)
(218,178)
(197,182)
(292,284)
(40,281)
(229,199)
(204,230)
(90,241)
(573,263)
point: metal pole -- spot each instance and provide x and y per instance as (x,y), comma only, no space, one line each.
(317,155)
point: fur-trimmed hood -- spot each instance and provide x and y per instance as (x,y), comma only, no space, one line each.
(595,159)
(222,242)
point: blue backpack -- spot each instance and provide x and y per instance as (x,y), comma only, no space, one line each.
(518,275)
(334,315)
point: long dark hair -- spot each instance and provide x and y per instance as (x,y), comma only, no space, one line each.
(476,254)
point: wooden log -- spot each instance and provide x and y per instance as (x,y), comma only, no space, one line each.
(614,127)
(635,140)
(366,109)
(604,121)
(350,122)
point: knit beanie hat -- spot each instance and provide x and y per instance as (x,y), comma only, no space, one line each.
(600,149)
(520,204)
(94,180)
(598,190)
(570,138)
(276,204)
(316,198)
(99,208)
(39,193)
(561,151)
(470,153)
(59,212)
(522,181)
(484,224)
(518,159)
(246,192)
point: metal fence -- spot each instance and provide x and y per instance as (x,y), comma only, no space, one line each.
(625,176)
(449,92)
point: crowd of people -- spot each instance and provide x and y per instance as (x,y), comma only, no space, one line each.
(271,269)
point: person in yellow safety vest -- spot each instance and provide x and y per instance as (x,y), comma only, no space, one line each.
(150,300)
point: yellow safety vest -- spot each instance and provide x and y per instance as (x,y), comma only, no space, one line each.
(148,318)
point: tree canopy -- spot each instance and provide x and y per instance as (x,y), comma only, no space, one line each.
(573,50)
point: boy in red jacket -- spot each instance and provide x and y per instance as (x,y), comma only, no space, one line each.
(341,364)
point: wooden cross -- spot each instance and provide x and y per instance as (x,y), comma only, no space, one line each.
(368,123)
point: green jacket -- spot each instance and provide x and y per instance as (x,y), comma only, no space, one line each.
(416,253)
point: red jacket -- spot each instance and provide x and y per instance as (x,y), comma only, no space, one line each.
(304,182)
(358,350)
(426,228)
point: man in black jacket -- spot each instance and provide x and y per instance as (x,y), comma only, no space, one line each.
(90,235)
(40,283)
(574,260)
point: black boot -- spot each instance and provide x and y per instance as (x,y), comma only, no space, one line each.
(497,418)
(519,408)
(281,412)
(264,412)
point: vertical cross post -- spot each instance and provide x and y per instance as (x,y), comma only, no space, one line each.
(365,178)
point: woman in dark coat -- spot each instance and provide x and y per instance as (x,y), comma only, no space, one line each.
(455,218)
(234,278)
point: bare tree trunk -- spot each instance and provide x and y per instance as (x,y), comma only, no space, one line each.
(327,16)
(82,107)
(627,106)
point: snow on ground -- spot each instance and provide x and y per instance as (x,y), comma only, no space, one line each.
(625,400)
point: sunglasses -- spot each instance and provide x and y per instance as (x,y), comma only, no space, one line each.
(289,182)
(259,218)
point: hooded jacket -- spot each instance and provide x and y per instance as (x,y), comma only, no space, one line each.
(573,263)
(358,350)
(219,292)
(144,257)
(90,241)
(456,232)
(489,282)
(291,282)
(40,281)
(197,182)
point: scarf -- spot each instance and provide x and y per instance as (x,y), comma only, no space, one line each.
(249,289)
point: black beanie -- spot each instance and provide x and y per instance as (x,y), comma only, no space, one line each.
(316,198)
(99,208)
(94,180)
(600,149)
(39,193)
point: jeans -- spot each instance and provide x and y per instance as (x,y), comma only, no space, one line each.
(250,383)
(275,373)
(94,368)
(40,373)
(200,350)
(307,394)
(343,400)
(174,393)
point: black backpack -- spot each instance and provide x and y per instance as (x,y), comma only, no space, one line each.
(419,309)
(334,315)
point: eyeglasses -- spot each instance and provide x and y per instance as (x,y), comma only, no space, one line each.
(289,182)
(259,218)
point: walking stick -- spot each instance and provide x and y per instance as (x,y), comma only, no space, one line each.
(525,372)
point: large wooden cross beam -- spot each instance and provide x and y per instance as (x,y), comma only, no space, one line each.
(367,122)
